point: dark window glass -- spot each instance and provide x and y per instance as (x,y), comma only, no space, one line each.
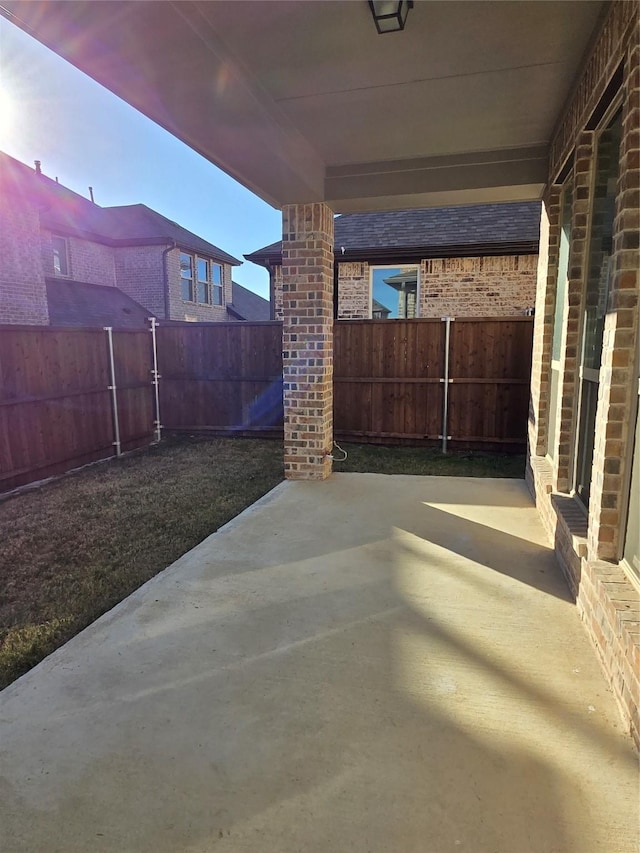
(216,278)
(186,274)
(632,540)
(596,297)
(203,280)
(60,255)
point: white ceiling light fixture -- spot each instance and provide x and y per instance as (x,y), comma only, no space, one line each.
(390,16)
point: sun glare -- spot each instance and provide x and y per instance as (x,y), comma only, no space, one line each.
(7,117)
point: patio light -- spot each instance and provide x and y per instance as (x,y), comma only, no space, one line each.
(390,15)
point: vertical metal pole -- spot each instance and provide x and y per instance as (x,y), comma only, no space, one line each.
(445,398)
(114,391)
(156,377)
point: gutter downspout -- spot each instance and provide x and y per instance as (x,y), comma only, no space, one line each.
(272,291)
(165,277)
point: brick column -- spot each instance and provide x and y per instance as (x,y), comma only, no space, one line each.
(613,438)
(543,324)
(307,340)
(584,165)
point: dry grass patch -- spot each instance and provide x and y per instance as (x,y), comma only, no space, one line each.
(74,548)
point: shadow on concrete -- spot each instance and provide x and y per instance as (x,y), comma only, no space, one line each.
(392,696)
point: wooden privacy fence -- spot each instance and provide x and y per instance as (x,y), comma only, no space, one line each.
(222,378)
(59,404)
(71,396)
(461,382)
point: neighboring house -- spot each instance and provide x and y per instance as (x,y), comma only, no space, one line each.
(60,252)
(456,261)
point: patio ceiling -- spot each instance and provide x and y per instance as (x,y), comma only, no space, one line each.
(304,101)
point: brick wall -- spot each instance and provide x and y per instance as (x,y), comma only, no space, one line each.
(477,287)
(589,549)
(455,287)
(617,390)
(353,291)
(139,273)
(578,259)
(23,296)
(605,599)
(307,340)
(458,287)
(88,261)
(277,292)
(546,272)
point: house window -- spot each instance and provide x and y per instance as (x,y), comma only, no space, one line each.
(60,247)
(186,274)
(394,293)
(596,297)
(216,283)
(560,313)
(201,280)
(204,295)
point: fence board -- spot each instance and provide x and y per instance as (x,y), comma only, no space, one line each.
(387,380)
(133,361)
(55,404)
(225,377)
(55,409)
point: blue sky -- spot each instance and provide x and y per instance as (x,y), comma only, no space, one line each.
(86,136)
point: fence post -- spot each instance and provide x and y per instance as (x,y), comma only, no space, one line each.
(114,391)
(446,380)
(156,377)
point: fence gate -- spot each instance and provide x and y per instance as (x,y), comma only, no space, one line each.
(462,382)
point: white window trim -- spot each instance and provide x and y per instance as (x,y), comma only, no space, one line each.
(195,280)
(212,284)
(373,267)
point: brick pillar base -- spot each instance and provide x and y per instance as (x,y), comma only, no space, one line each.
(307,340)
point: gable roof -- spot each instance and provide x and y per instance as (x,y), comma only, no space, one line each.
(135,223)
(509,228)
(68,212)
(247,305)
(77,303)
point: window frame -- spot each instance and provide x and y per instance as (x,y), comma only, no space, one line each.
(588,377)
(213,290)
(396,266)
(560,314)
(67,256)
(187,278)
(205,281)
(215,287)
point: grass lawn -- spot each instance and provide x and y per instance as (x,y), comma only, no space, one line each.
(75,547)
(428,461)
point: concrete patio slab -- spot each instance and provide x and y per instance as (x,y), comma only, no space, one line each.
(371,663)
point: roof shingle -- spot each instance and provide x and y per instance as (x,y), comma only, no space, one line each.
(77,303)
(428,229)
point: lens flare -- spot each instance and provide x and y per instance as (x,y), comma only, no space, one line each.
(7,117)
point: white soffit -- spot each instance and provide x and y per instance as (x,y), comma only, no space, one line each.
(303,101)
